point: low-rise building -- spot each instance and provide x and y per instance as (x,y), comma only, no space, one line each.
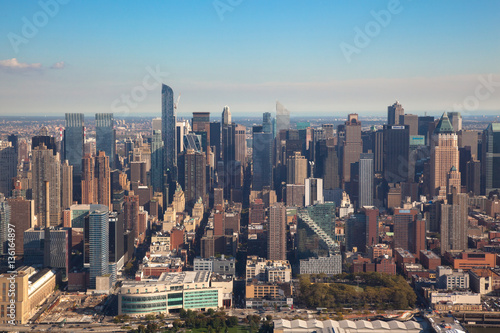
(454,301)
(429,259)
(172,291)
(470,260)
(331,265)
(222,265)
(268,270)
(484,280)
(450,279)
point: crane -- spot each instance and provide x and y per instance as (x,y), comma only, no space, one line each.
(176,104)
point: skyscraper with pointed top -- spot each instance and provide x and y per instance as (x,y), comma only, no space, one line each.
(444,156)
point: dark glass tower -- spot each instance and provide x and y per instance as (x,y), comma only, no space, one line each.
(262,159)
(157,161)
(168,130)
(396,150)
(106,136)
(73,149)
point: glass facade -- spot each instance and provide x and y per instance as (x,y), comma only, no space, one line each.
(98,245)
(105,136)
(169,132)
(73,141)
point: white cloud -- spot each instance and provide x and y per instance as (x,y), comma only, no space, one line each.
(58,65)
(15,66)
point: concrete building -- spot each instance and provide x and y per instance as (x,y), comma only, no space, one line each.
(331,265)
(313,191)
(173,291)
(32,287)
(449,279)
(221,266)
(394,112)
(296,169)
(484,280)
(276,235)
(268,270)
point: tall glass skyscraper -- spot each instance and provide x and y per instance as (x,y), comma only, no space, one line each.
(262,159)
(168,123)
(366,180)
(73,141)
(98,244)
(106,136)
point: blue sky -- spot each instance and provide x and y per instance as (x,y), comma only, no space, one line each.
(430,55)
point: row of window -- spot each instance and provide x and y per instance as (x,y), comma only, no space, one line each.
(143,299)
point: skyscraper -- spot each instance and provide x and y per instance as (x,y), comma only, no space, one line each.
(276,242)
(8,166)
(403,222)
(66,185)
(157,161)
(73,141)
(331,167)
(444,155)
(240,144)
(226,116)
(366,180)
(24,212)
(396,153)
(412,121)
(352,145)
(454,224)
(192,175)
(267,122)
(89,195)
(394,111)
(296,169)
(46,186)
(106,136)
(491,158)
(262,174)
(168,132)
(98,244)
(282,118)
(455,120)
(103,178)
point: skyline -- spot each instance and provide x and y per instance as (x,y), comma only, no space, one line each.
(432,57)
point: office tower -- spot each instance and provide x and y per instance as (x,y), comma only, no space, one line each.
(240,144)
(226,116)
(129,149)
(329,130)
(491,158)
(423,127)
(294,195)
(14,140)
(282,118)
(157,161)
(116,245)
(131,210)
(106,136)
(24,213)
(296,169)
(371,227)
(412,121)
(183,127)
(156,124)
(103,179)
(276,239)
(201,126)
(46,186)
(138,173)
(8,166)
(351,145)
(98,245)
(473,177)
(179,199)
(267,122)
(444,155)
(44,138)
(396,152)
(416,237)
(403,222)
(66,185)
(469,138)
(231,172)
(394,111)
(57,248)
(257,213)
(73,141)
(89,195)
(5,220)
(455,120)
(454,223)
(192,175)
(215,140)
(366,180)
(262,174)
(313,191)
(33,241)
(168,131)
(331,168)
